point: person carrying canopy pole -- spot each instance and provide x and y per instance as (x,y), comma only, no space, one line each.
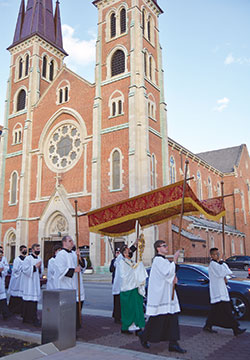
(220,313)
(162,310)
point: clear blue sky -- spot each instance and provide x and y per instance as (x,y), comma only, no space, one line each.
(206,59)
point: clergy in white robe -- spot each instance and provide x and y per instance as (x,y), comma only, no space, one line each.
(162,310)
(51,272)
(3,299)
(67,272)
(133,278)
(14,290)
(116,281)
(220,313)
(30,285)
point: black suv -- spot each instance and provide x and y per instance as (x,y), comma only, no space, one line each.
(238,262)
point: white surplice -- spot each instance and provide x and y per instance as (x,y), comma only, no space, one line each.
(3,264)
(51,274)
(116,287)
(30,279)
(132,275)
(217,286)
(64,261)
(160,288)
(15,280)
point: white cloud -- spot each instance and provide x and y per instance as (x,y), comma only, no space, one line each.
(222,104)
(230,59)
(81,52)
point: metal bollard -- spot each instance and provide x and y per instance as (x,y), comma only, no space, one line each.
(59,318)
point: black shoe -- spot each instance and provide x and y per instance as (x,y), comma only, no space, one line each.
(238,331)
(209,329)
(138,332)
(127,332)
(176,348)
(144,344)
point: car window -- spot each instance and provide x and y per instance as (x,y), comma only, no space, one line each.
(189,274)
(232,258)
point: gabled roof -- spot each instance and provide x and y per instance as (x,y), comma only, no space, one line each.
(154,1)
(38,19)
(187,234)
(223,159)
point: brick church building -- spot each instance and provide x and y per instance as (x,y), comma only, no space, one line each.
(65,138)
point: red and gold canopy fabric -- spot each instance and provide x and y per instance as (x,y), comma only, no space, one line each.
(151,208)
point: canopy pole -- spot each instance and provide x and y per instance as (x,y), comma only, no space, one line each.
(78,260)
(137,237)
(181,216)
(111,248)
(223,222)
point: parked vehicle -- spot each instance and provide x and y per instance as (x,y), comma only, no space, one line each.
(193,290)
(238,262)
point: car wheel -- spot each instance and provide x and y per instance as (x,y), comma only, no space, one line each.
(246,267)
(240,306)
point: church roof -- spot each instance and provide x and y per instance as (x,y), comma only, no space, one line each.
(223,159)
(154,1)
(38,19)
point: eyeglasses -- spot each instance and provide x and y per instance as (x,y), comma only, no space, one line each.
(164,245)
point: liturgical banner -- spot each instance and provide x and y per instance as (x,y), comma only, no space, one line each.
(152,208)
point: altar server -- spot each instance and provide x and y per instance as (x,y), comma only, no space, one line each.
(162,310)
(3,300)
(16,301)
(51,273)
(67,271)
(133,277)
(221,308)
(30,285)
(4,260)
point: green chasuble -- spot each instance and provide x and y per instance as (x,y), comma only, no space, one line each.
(132,309)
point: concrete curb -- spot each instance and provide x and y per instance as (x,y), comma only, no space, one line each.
(35,353)
(21,335)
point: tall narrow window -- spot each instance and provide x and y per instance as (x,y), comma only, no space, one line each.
(150,68)
(153,172)
(113,108)
(21,100)
(118,63)
(143,21)
(66,94)
(149,29)
(123,21)
(172,170)
(119,107)
(60,96)
(20,69)
(145,64)
(209,188)
(27,60)
(13,195)
(51,70)
(116,170)
(112,25)
(44,72)
(199,189)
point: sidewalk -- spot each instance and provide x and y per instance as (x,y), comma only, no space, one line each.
(106,277)
(100,338)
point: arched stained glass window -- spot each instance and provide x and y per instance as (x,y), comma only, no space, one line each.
(21,100)
(119,107)
(123,21)
(44,70)
(27,60)
(112,25)
(60,96)
(51,70)
(13,195)
(199,189)
(118,63)
(116,176)
(113,108)
(66,94)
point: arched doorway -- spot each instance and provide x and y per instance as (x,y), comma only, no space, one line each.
(57,227)
(10,245)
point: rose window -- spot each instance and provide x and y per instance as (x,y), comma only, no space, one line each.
(64,147)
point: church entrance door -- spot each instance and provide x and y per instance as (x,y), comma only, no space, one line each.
(49,244)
